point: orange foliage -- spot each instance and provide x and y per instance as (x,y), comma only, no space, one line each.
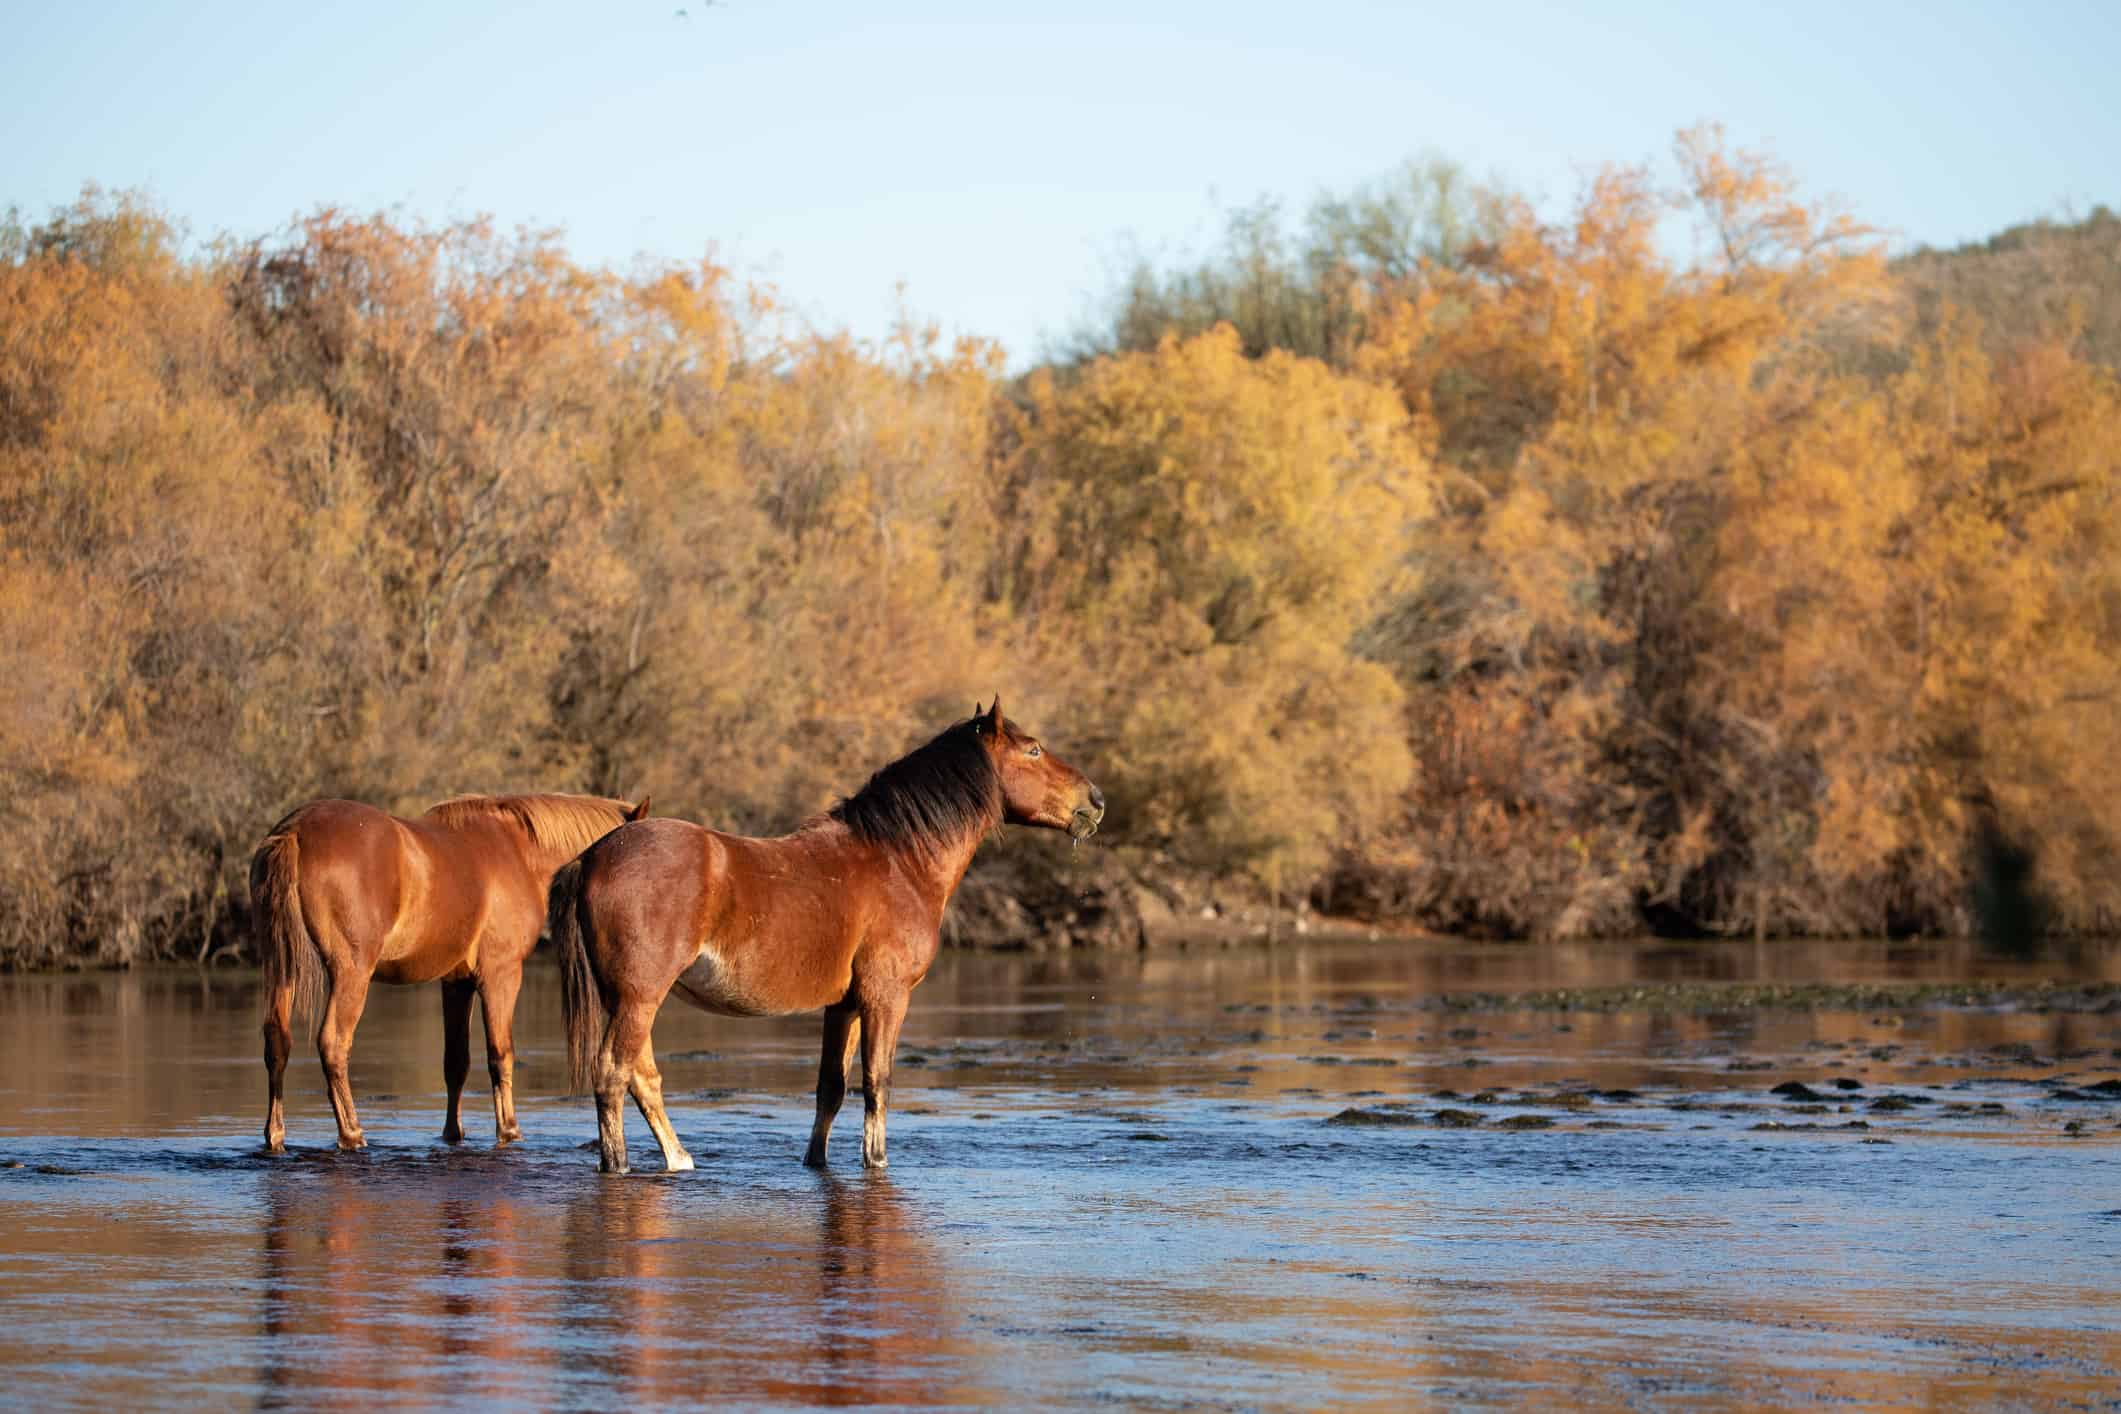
(1595,585)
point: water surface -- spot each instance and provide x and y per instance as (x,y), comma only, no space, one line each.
(1131,1179)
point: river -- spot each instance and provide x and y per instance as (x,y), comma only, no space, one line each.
(1287,1177)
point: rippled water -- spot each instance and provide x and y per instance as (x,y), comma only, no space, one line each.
(1114,1179)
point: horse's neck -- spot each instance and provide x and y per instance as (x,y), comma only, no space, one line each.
(935,871)
(940,871)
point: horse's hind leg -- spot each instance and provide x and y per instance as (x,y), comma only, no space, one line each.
(880,1023)
(842,1035)
(456,1053)
(624,1037)
(647,1090)
(497,998)
(342,1013)
(279,1041)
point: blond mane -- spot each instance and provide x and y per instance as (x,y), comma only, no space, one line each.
(564,824)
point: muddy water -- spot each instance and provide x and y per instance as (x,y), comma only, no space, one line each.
(1274,1178)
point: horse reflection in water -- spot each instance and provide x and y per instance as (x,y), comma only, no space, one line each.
(640,1295)
(844,916)
(838,1299)
(366,1292)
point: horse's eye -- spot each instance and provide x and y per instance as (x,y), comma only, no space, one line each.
(1034,751)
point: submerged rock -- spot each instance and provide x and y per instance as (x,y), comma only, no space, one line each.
(1380,1119)
(1891,1104)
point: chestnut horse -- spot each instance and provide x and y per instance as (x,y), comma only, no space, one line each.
(342,893)
(845,915)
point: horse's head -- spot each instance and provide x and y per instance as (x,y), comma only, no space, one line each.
(1038,788)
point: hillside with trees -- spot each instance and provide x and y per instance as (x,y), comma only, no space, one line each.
(1676,562)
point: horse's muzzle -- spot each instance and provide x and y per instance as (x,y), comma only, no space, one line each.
(1083,823)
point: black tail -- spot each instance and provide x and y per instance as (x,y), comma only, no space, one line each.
(285,947)
(580,1001)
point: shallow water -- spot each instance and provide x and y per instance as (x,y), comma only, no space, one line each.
(1132,1180)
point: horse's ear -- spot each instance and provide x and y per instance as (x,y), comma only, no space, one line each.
(993,720)
(639,812)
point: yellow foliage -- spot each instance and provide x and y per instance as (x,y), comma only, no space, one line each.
(1599,587)
(1198,537)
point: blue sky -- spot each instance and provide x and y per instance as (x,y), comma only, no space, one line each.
(999,160)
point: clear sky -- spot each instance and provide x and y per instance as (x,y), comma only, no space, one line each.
(998,158)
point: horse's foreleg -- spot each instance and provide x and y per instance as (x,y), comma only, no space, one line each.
(497,998)
(647,1090)
(342,1013)
(279,1042)
(624,1037)
(842,1035)
(456,1053)
(880,1023)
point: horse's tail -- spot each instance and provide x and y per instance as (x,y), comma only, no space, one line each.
(580,1001)
(285,947)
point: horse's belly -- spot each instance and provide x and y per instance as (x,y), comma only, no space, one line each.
(711,986)
(424,967)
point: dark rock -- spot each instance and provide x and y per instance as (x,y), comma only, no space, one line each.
(1376,1119)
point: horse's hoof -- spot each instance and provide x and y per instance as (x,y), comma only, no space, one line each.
(814,1159)
(875,1162)
(274,1146)
(452,1136)
(680,1164)
(350,1142)
(506,1137)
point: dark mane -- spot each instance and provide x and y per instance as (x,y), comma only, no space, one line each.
(929,798)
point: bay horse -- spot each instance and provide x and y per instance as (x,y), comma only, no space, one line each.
(845,914)
(343,893)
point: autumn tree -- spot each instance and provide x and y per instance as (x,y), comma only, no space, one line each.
(1197,537)
(1310,289)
